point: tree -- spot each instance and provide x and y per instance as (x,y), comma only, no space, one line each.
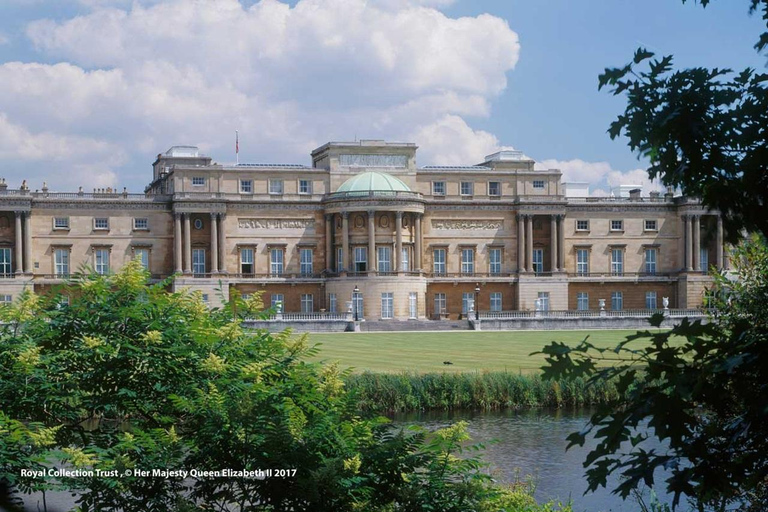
(126,376)
(703,130)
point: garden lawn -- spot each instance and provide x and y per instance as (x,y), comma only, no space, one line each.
(467,350)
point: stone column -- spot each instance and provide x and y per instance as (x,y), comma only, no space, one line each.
(697,243)
(553,242)
(187,244)
(529,241)
(520,243)
(561,244)
(19,245)
(28,242)
(329,242)
(223,244)
(214,243)
(399,241)
(178,265)
(371,241)
(688,242)
(345,240)
(719,256)
(417,241)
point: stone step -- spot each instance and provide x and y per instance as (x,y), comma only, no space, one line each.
(414,325)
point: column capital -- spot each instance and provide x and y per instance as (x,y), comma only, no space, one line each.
(328,217)
(371,213)
(214,215)
(399,214)
(345,215)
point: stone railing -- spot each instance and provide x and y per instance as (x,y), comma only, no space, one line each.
(592,313)
(366,194)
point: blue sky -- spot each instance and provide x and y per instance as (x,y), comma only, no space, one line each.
(91,90)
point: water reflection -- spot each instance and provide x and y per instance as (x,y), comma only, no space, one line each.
(532,442)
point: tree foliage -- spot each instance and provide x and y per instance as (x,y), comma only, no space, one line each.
(705,397)
(127,376)
(703,130)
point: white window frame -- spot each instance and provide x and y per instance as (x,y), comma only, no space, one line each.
(498,189)
(584,227)
(651,263)
(198,261)
(275,298)
(651,300)
(654,226)
(6,261)
(305,190)
(247,257)
(339,259)
(440,304)
(61,257)
(6,299)
(467,302)
(539,184)
(582,301)
(413,305)
(276,261)
(617,301)
(470,185)
(198,181)
(307,303)
(496,302)
(384,258)
(140,252)
(306,263)
(704,258)
(61,223)
(332,303)
(439,261)
(617,224)
(582,262)
(468,260)
(361,259)
(101,260)
(140,224)
(617,261)
(387,306)
(276,187)
(246,186)
(358,305)
(538,261)
(543,301)
(494,260)
(104,221)
(405,259)
(438,185)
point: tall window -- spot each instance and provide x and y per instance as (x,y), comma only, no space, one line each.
(361,259)
(494,188)
(143,256)
(617,262)
(332,303)
(617,301)
(357,305)
(650,261)
(339,259)
(467,302)
(538,260)
(467,261)
(276,265)
(582,261)
(277,298)
(650,300)
(582,301)
(387,305)
(101,261)
(467,188)
(198,261)
(704,258)
(305,187)
(385,259)
(440,304)
(246,186)
(495,261)
(307,303)
(413,305)
(61,262)
(496,301)
(438,188)
(405,260)
(543,301)
(438,261)
(276,187)
(246,261)
(306,262)
(5,261)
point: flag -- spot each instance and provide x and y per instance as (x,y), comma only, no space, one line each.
(237,142)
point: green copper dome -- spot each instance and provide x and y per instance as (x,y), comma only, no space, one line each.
(373,181)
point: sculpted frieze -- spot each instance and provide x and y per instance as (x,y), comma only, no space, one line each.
(466,224)
(278,224)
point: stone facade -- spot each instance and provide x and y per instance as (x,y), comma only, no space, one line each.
(500,232)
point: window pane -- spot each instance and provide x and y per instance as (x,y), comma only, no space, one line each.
(538,260)
(413,306)
(440,304)
(276,262)
(246,261)
(467,261)
(306,261)
(650,300)
(5,261)
(385,259)
(495,266)
(496,301)
(198,261)
(439,261)
(387,305)
(582,301)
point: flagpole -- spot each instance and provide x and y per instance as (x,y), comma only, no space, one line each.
(237,147)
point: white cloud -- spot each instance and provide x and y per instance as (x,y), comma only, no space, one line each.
(600,175)
(449,140)
(4,39)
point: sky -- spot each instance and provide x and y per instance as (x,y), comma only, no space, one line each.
(92,90)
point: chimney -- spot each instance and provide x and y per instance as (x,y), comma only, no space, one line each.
(655,195)
(3,185)
(634,194)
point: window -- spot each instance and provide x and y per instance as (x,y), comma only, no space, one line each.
(101,223)
(496,302)
(246,261)
(467,188)
(651,225)
(438,188)
(494,188)
(405,260)
(582,262)
(543,298)
(246,186)
(617,301)
(61,262)
(385,259)
(198,261)
(6,268)
(6,299)
(650,261)
(61,223)
(538,183)
(617,262)
(277,298)
(440,304)
(617,225)
(495,261)
(205,298)
(361,259)
(101,261)
(276,187)
(140,223)
(305,187)
(198,181)
(704,259)
(143,256)
(339,259)
(650,300)
(438,261)
(305,266)
(358,310)
(307,303)
(582,301)
(538,260)
(582,225)
(276,261)
(467,302)
(198,223)
(332,303)
(387,305)
(413,305)
(468,261)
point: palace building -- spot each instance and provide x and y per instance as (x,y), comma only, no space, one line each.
(417,242)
